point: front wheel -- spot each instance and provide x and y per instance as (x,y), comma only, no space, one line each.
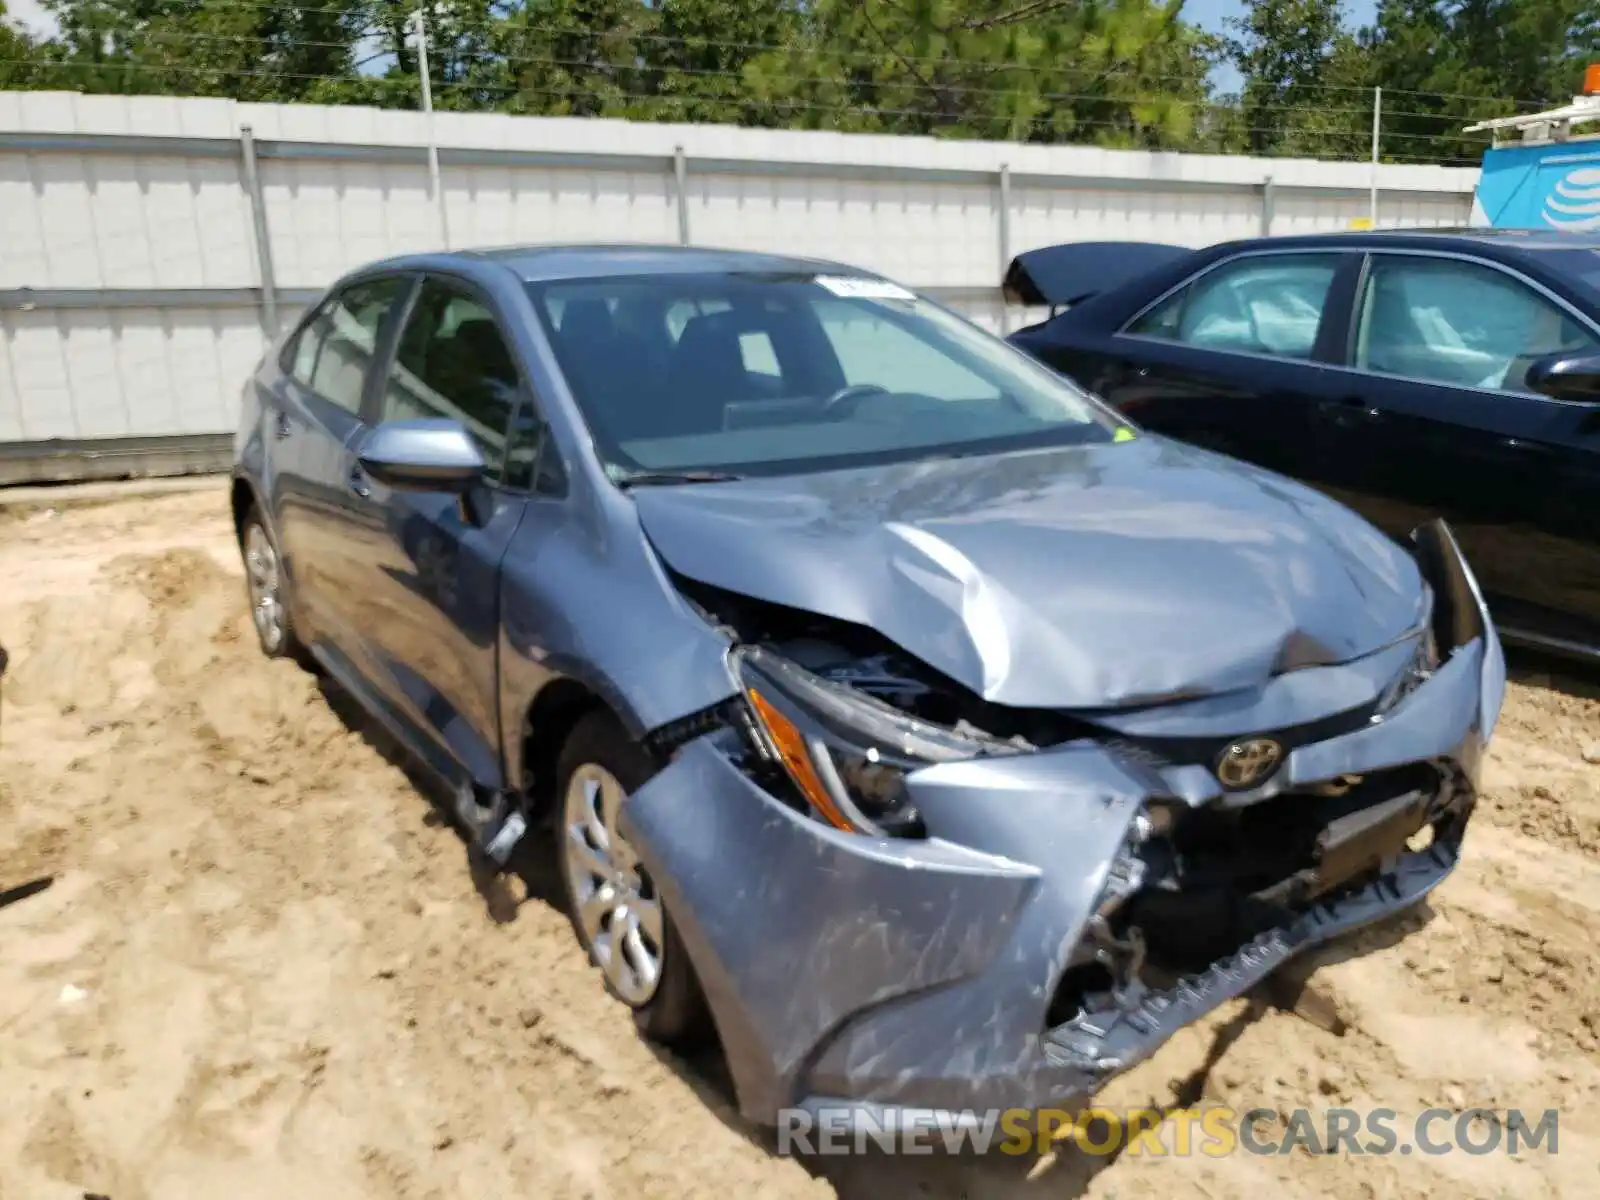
(615,909)
(269,594)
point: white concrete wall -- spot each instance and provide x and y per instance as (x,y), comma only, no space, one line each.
(158,214)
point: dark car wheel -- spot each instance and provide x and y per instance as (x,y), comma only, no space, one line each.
(269,590)
(619,917)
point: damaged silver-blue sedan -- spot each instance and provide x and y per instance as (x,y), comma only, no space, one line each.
(902,713)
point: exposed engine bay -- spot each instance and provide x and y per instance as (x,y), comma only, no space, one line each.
(1193,884)
(863,660)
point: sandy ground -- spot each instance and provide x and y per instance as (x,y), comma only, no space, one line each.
(265,969)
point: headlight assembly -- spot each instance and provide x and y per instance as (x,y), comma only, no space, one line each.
(1417,671)
(1458,611)
(845,753)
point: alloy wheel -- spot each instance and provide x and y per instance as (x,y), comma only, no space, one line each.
(266,588)
(618,912)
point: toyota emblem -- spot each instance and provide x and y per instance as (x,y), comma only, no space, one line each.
(1246,763)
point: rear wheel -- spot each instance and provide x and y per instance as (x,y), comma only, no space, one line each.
(616,911)
(269,594)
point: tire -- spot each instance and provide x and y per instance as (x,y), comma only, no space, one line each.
(672,1010)
(265,582)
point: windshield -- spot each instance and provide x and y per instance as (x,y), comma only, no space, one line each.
(767,374)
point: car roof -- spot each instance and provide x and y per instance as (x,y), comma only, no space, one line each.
(540,264)
(1507,240)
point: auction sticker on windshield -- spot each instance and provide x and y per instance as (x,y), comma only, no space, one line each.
(857,288)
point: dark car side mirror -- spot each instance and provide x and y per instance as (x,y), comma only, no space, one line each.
(1566,376)
(427,455)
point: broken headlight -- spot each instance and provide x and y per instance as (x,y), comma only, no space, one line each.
(1417,671)
(845,753)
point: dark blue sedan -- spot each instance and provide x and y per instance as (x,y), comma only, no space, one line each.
(1413,375)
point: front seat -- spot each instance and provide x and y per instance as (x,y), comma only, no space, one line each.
(483,342)
(597,363)
(586,326)
(705,374)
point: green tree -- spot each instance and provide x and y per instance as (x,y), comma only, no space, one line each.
(1449,64)
(1112,72)
(265,51)
(1288,52)
(1442,65)
(699,52)
(572,57)
(1117,73)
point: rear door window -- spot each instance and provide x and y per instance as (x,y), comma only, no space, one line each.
(1259,304)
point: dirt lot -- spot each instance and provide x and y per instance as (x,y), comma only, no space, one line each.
(265,970)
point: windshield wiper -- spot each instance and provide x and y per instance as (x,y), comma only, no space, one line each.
(646,478)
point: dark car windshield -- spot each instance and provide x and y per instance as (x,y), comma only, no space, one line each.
(760,373)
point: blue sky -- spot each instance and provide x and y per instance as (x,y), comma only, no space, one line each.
(31,16)
(1210,14)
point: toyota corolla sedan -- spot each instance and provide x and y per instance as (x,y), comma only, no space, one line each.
(901,714)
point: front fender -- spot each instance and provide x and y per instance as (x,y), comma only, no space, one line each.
(585,600)
(794,927)
(1461,616)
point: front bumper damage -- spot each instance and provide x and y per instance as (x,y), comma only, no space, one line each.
(921,976)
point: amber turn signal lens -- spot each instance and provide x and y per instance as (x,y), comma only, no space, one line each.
(791,747)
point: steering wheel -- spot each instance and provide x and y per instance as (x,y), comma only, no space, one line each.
(844,401)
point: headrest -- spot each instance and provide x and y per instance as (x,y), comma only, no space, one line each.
(480,337)
(586,320)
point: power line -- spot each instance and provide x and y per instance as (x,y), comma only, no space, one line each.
(805,46)
(646,99)
(492,60)
(895,85)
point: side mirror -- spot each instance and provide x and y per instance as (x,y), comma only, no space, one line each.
(1567,376)
(430,455)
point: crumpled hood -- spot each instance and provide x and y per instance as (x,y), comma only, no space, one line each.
(1081,577)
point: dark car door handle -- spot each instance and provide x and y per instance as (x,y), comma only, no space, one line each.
(358,481)
(282,425)
(1347,407)
(1524,447)
(1114,377)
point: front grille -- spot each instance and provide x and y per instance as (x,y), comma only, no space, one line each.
(1162,752)
(1237,871)
(1221,879)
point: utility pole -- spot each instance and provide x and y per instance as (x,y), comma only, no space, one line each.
(1377,124)
(419,30)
